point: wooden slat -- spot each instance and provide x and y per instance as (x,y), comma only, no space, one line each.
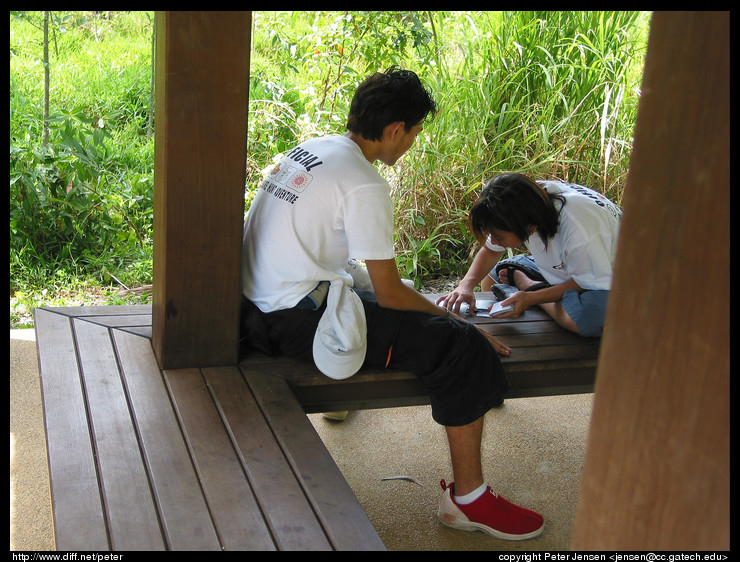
(183,511)
(552,382)
(287,511)
(79,523)
(95,310)
(120,320)
(407,391)
(344,520)
(132,518)
(230,499)
(541,358)
(370,391)
(544,340)
(143,331)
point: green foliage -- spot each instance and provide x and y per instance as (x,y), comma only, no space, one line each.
(551,94)
(81,204)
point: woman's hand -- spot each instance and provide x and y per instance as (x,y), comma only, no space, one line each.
(521,301)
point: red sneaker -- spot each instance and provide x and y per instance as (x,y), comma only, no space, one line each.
(491,514)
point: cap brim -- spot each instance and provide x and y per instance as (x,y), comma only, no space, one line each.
(340,342)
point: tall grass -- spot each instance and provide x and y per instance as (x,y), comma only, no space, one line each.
(551,94)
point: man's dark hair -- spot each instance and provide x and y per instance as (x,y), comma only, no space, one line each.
(514,203)
(388,97)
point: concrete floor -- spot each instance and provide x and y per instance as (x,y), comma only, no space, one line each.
(533,456)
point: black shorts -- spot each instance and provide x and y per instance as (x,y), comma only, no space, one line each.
(456,363)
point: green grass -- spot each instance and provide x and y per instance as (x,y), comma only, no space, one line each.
(551,94)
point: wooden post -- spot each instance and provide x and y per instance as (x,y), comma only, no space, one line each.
(202,91)
(657,468)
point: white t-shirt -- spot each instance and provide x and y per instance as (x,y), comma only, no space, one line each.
(585,245)
(322,204)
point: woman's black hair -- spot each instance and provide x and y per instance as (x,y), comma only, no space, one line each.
(514,203)
(388,97)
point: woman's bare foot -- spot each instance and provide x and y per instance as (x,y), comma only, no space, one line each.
(521,281)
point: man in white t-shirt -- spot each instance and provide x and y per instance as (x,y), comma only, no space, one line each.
(571,233)
(325,203)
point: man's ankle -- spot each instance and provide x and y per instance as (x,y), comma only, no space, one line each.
(471,496)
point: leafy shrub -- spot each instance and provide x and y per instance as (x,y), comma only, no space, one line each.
(81,200)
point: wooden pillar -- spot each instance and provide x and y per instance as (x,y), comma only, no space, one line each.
(202,91)
(657,468)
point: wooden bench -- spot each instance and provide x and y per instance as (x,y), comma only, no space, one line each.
(191,459)
(546,360)
(224,458)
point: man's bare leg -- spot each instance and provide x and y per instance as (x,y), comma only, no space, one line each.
(465,452)
(487,512)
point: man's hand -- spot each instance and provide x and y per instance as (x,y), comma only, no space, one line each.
(484,261)
(500,348)
(452,301)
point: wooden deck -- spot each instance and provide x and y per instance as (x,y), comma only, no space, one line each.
(191,459)
(224,458)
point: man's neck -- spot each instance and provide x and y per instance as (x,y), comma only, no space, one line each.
(370,149)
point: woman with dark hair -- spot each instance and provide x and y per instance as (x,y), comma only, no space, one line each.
(571,233)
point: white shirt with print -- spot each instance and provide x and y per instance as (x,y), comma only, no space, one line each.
(322,204)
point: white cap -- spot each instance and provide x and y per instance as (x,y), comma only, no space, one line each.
(340,342)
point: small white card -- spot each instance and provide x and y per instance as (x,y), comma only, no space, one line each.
(486,308)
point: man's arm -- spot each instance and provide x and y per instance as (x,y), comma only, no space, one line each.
(391,292)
